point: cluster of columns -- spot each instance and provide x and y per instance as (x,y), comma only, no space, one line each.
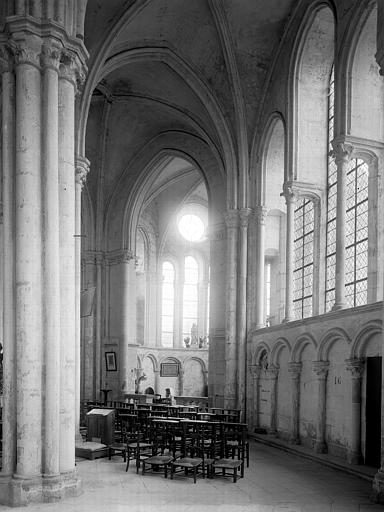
(236,308)
(320,368)
(39,82)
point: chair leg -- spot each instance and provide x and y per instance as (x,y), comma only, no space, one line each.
(194,475)
(235,475)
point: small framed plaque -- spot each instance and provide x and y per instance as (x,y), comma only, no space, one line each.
(169,370)
(110,361)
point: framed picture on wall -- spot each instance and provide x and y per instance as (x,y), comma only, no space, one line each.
(169,370)
(110,361)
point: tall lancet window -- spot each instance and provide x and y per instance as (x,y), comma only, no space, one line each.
(167,304)
(356,243)
(190,296)
(303,269)
(330,267)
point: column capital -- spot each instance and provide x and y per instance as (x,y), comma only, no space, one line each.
(320,368)
(82,170)
(294,368)
(355,366)
(231,218)
(255,370)
(341,152)
(7,58)
(27,52)
(273,371)
(50,56)
(260,213)
(244,215)
(289,192)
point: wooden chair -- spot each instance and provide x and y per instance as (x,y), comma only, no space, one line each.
(139,448)
(194,451)
(233,442)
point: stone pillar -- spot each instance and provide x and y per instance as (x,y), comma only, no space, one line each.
(8,101)
(255,372)
(50,60)
(342,155)
(356,367)
(231,370)
(242,313)
(128,315)
(157,381)
(28,262)
(320,368)
(295,371)
(99,261)
(181,381)
(261,216)
(82,169)
(67,202)
(273,372)
(290,200)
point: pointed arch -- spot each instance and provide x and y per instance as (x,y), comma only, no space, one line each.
(329,338)
(362,337)
(278,346)
(301,342)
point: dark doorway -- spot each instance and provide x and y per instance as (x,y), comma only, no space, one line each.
(373,412)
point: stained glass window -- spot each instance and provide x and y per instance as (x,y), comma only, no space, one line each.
(303,258)
(167,304)
(356,233)
(190,295)
(330,267)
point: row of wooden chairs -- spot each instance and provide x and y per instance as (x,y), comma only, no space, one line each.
(191,447)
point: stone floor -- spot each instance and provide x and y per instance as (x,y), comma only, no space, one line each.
(275,482)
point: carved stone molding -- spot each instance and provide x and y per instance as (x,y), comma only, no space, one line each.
(123,256)
(356,367)
(82,170)
(231,218)
(320,368)
(289,192)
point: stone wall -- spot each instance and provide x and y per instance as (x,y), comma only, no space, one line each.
(307,379)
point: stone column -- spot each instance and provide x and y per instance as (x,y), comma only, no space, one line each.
(230,386)
(50,60)
(128,313)
(356,367)
(157,381)
(342,155)
(99,261)
(67,202)
(28,262)
(181,381)
(8,101)
(82,169)
(290,200)
(273,372)
(242,312)
(295,371)
(255,372)
(320,368)
(261,216)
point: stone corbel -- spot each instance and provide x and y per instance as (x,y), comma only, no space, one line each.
(82,170)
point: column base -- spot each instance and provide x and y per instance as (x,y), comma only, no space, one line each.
(341,305)
(354,458)
(17,491)
(377,494)
(321,447)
